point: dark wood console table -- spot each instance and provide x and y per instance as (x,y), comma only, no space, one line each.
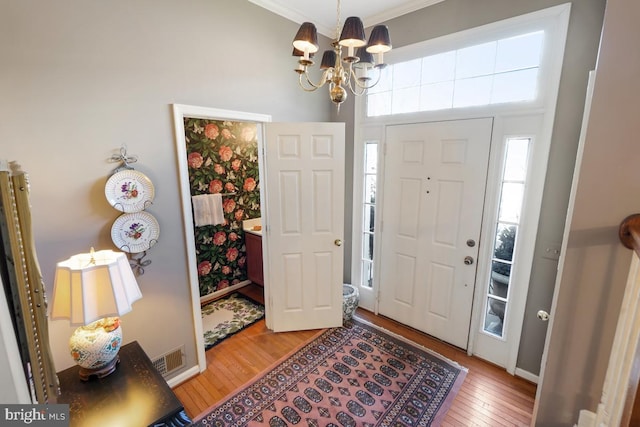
(134,395)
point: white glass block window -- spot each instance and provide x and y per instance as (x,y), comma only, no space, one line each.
(520,52)
(472,91)
(407,74)
(501,71)
(439,68)
(474,61)
(506,231)
(379,96)
(436,96)
(369,211)
(514,86)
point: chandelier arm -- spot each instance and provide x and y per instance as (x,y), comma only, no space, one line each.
(356,88)
(348,72)
(306,88)
(365,86)
(310,85)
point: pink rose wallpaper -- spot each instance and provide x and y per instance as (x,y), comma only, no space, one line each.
(223,158)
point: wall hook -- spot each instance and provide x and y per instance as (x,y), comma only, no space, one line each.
(123,158)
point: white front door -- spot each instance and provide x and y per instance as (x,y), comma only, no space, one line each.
(304,192)
(434,187)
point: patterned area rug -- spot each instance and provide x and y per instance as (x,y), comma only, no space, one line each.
(354,375)
(226,316)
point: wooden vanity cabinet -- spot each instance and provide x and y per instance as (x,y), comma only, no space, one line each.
(253,243)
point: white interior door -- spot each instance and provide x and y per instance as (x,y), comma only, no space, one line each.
(434,187)
(304,178)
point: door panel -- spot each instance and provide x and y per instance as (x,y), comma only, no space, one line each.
(305,196)
(434,185)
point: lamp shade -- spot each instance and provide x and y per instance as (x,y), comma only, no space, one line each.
(365,57)
(379,41)
(352,34)
(306,39)
(328,59)
(91,286)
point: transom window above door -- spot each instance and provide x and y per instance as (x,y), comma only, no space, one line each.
(501,71)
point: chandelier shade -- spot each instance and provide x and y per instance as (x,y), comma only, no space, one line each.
(353,33)
(306,39)
(364,57)
(379,42)
(328,59)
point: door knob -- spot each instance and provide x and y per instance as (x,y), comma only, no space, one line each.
(337,242)
(543,315)
(468,260)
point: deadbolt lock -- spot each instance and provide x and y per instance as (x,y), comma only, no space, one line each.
(471,243)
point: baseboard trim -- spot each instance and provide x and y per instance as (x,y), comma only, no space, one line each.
(527,375)
(184,376)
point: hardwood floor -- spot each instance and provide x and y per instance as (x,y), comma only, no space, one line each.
(489,395)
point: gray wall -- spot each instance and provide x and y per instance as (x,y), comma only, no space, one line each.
(596,264)
(79,78)
(580,56)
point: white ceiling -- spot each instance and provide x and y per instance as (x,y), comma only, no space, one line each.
(324,13)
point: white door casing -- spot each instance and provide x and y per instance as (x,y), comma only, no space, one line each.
(304,192)
(434,189)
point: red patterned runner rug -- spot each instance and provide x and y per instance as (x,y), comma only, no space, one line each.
(356,375)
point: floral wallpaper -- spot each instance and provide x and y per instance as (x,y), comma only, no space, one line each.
(223,158)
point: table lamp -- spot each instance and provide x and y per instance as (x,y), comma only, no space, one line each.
(91,290)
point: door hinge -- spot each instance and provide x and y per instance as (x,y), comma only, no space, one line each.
(384,149)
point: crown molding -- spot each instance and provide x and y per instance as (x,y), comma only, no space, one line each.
(294,14)
(399,10)
(299,16)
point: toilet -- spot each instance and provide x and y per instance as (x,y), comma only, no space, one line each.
(350,299)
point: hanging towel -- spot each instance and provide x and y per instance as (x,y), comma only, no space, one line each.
(207,209)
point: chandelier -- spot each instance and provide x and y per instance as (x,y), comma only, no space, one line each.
(351,71)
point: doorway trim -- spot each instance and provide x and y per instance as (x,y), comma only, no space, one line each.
(555,19)
(181,111)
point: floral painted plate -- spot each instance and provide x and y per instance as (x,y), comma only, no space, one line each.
(129,191)
(135,232)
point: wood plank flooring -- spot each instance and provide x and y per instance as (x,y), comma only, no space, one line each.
(489,395)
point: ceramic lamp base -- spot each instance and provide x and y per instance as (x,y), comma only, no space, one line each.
(95,347)
(85,374)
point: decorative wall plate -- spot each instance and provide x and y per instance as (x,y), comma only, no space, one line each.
(129,191)
(135,232)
